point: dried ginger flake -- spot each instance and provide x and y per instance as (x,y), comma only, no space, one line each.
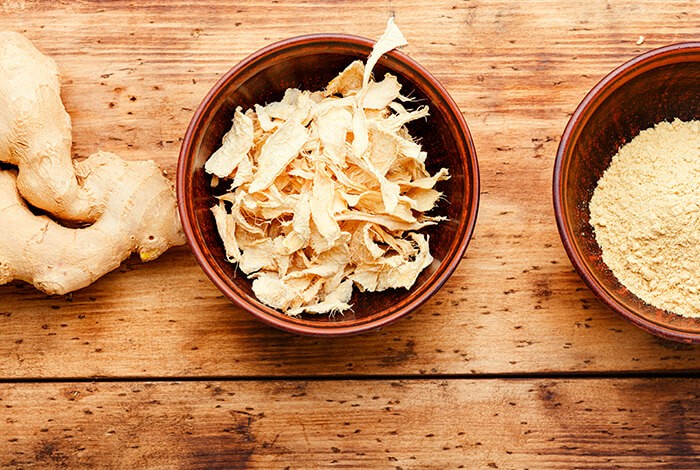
(328,190)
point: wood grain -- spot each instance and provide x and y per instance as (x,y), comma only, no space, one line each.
(133,73)
(585,424)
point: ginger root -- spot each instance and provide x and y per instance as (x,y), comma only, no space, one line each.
(131,206)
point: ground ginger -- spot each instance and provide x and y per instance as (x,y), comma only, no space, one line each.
(646,214)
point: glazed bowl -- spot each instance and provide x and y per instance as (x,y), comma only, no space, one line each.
(309,63)
(660,85)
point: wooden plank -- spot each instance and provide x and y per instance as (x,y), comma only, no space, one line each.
(133,74)
(103,332)
(356,424)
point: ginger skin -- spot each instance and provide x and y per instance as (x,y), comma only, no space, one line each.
(35,132)
(131,206)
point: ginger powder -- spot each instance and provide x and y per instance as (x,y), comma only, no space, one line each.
(645,212)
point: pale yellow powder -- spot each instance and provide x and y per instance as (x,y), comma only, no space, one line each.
(646,215)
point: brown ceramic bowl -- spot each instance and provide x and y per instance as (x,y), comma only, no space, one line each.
(659,85)
(309,63)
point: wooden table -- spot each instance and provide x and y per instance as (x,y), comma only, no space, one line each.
(513,364)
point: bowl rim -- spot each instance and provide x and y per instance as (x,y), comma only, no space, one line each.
(597,94)
(444,270)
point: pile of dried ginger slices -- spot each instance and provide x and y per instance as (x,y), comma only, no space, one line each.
(327,190)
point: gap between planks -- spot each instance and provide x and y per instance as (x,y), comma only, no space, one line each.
(366,378)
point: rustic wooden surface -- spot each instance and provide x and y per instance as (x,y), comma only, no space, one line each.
(514,364)
(375,424)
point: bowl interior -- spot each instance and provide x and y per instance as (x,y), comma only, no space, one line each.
(658,86)
(309,64)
